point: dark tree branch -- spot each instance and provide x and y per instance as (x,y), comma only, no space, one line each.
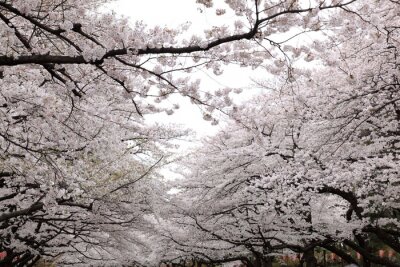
(35,207)
(57,59)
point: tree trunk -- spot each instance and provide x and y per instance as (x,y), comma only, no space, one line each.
(261,261)
(366,262)
(363,243)
(310,259)
(257,261)
(267,262)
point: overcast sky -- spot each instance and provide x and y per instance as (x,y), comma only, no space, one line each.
(166,12)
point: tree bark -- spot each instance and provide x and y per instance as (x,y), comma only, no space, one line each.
(309,258)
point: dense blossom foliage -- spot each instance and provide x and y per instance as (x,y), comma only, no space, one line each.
(311,163)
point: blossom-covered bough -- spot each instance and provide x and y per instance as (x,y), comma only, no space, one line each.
(76,152)
(312,164)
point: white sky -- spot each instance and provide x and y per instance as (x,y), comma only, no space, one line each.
(167,12)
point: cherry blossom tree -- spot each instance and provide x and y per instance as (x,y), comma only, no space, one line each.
(77,155)
(315,162)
